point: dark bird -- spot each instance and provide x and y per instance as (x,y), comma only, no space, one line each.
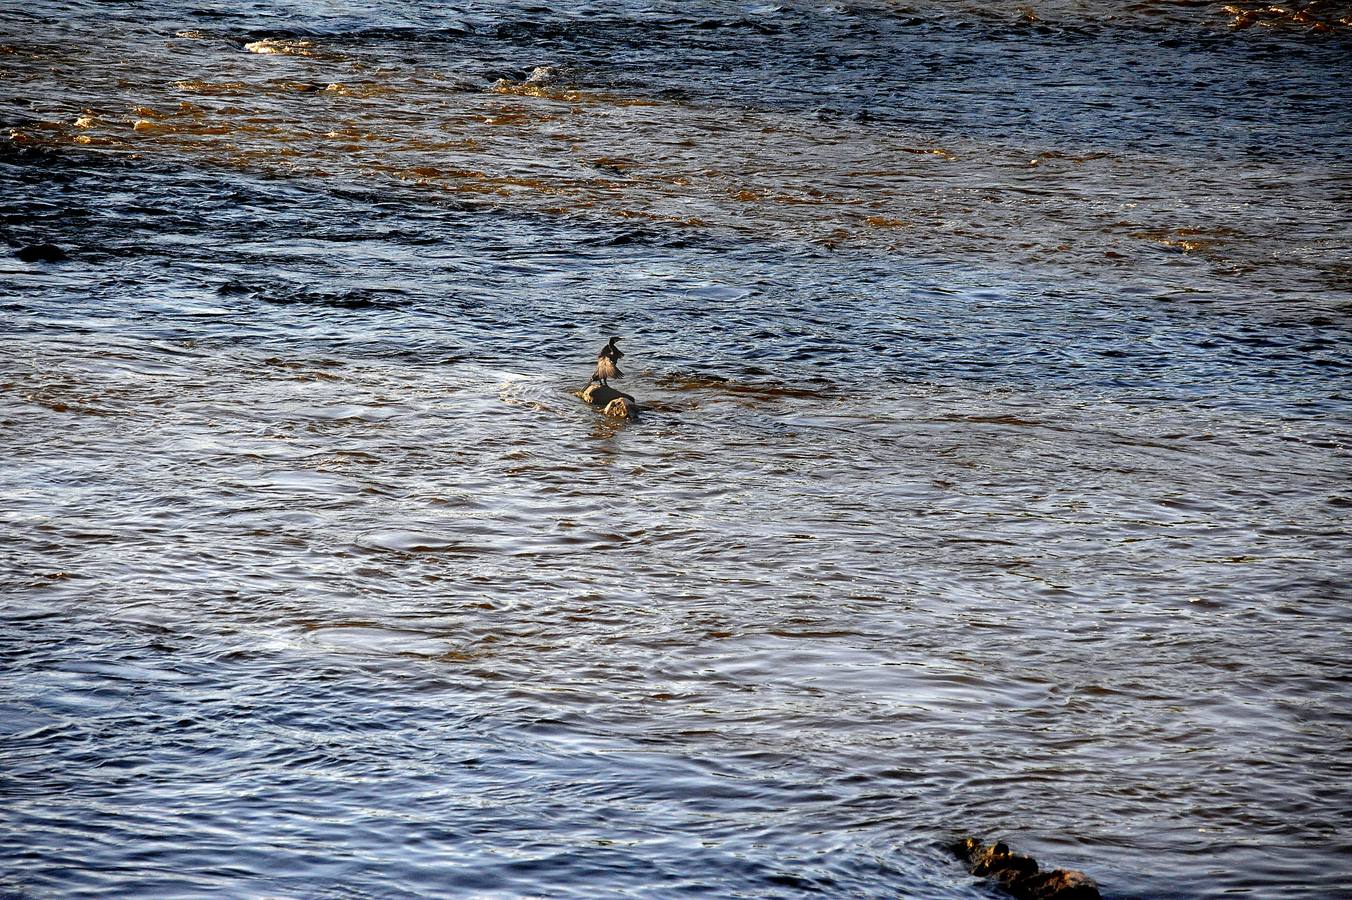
(606,362)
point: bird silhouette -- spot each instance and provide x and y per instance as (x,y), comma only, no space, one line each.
(606,363)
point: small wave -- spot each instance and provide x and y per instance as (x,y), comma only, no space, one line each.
(407,541)
(282,47)
(283,294)
(211,88)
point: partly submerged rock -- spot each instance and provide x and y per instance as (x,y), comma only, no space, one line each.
(48,253)
(622,408)
(1019,874)
(610,401)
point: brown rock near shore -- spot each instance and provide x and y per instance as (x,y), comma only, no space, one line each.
(1019,875)
(610,401)
(621,408)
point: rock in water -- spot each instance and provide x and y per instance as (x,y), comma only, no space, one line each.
(621,408)
(610,401)
(48,253)
(1019,874)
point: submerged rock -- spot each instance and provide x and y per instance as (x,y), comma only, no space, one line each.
(47,253)
(1019,874)
(610,401)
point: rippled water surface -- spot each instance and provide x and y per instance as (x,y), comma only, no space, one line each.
(993,474)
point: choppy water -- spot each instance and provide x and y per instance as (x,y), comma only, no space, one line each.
(994,477)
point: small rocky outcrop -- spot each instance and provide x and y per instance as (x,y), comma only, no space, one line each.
(610,401)
(621,408)
(1020,876)
(47,253)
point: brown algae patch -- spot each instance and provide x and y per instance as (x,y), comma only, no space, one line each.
(543,83)
(1186,240)
(212,88)
(1320,16)
(698,381)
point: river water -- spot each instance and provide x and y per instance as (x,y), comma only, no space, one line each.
(993,477)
